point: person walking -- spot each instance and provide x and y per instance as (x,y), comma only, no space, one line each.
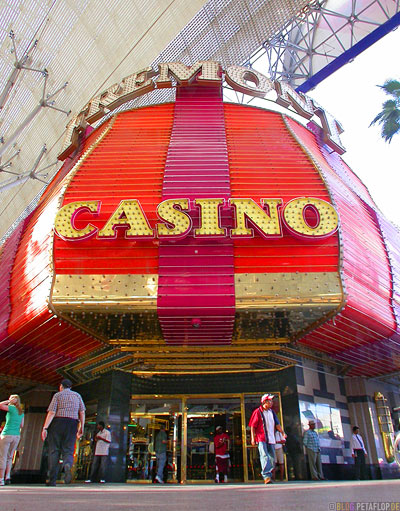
(280,442)
(10,436)
(63,424)
(358,452)
(313,450)
(263,423)
(221,449)
(103,441)
(160,447)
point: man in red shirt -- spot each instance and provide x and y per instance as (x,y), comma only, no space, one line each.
(263,423)
(221,448)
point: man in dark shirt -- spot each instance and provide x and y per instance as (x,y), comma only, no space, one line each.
(64,423)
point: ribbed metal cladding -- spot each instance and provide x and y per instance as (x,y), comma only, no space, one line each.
(196,296)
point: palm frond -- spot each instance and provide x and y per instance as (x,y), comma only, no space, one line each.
(389,129)
(391,87)
(389,116)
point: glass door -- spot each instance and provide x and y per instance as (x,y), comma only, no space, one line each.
(203,416)
(200,461)
(147,418)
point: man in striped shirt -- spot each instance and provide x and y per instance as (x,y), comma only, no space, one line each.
(64,423)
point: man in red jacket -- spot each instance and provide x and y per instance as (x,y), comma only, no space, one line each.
(221,448)
(263,423)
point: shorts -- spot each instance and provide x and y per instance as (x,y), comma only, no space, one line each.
(279,456)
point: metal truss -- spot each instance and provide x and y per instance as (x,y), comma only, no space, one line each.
(46,101)
(35,172)
(325,35)
(19,65)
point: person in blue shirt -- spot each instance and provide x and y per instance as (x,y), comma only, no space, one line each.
(313,449)
(10,436)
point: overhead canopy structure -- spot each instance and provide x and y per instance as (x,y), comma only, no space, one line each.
(72,50)
(56,55)
(325,36)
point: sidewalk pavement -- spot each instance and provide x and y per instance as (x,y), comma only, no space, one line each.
(296,496)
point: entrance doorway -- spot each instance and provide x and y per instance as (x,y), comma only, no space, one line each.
(190,423)
(203,416)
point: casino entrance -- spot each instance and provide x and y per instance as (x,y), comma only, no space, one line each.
(190,422)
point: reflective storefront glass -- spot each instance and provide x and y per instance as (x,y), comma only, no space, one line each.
(203,416)
(190,423)
(147,418)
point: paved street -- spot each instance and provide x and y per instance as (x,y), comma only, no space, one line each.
(324,496)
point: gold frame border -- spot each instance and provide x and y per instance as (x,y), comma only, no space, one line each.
(184,398)
(66,182)
(317,166)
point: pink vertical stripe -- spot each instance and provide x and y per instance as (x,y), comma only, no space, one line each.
(196,294)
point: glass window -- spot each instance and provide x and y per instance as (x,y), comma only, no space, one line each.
(156,406)
(328,422)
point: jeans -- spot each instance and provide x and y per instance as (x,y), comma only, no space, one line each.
(161,460)
(267,458)
(98,467)
(61,439)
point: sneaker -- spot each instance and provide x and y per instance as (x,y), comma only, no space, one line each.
(159,480)
(102,481)
(267,480)
(67,472)
(88,481)
(225,479)
(2,482)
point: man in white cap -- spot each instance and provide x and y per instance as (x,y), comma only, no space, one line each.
(313,450)
(263,423)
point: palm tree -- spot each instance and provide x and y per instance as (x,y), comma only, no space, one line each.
(389,117)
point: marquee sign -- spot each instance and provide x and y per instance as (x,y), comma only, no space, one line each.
(210,73)
(307,217)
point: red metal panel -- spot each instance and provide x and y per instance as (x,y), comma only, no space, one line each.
(128,164)
(193,309)
(266,162)
(37,344)
(7,256)
(368,315)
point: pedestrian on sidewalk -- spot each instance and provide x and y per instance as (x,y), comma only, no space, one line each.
(221,449)
(313,450)
(358,452)
(280,442)
(102,447)
(263,423)
(64,423)
(10,436)
(160,447)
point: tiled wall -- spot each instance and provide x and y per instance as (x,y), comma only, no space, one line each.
(354,397)
(315,385)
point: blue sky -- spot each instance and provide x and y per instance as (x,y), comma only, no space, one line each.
(352,96)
